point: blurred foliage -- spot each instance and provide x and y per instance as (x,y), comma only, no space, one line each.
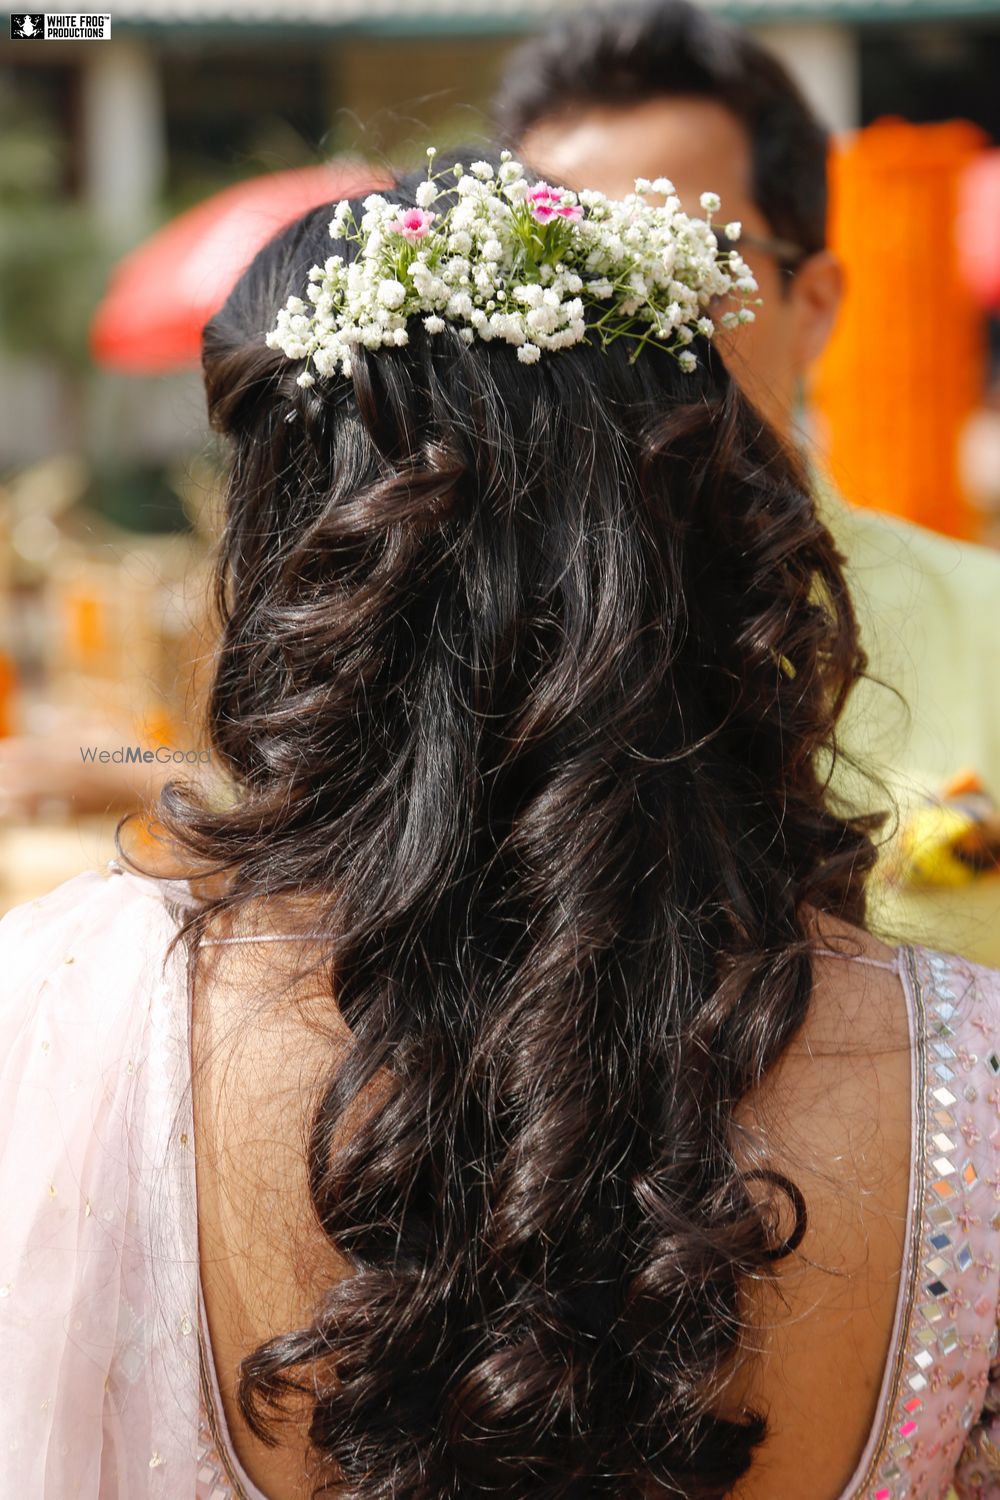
(53,268)
(32,161)
(53,263)
(137,496)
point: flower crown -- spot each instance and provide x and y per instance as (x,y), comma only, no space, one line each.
(517,262)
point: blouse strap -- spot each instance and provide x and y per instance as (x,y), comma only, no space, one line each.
(264,937)
(893,966)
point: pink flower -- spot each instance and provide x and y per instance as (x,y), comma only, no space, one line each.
(547,203)
(412,223)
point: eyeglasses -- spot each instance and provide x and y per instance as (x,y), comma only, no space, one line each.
(787,253)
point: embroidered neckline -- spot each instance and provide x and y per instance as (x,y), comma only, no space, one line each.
(208,1402)
(889,1395)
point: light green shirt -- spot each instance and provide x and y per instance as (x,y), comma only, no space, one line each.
(929,613)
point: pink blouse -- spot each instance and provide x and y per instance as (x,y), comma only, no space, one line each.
(107,1385)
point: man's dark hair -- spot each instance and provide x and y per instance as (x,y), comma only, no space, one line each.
(672,47)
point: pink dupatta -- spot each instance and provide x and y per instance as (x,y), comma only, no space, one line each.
(98,1212)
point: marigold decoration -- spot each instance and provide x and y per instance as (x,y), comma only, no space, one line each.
(519,262)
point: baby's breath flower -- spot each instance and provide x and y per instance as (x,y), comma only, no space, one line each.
(710,202)
(392,293)
(522,264)
(687,361)
(338,223)
(734,230)
(460,305)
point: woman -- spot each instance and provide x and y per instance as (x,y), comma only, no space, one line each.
(559,1129)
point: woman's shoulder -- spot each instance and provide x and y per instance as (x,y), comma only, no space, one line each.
(90,986)
(91,918)
(973,989)
(884,1113)
(86,970)
(968,992)
(96,1179)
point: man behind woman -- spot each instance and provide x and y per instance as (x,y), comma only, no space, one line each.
(664,88)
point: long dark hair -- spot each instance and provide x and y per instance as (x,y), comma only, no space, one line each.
(529,679)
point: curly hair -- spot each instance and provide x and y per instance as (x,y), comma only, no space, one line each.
(529,678)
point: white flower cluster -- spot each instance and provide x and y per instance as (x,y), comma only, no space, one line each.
(519,262)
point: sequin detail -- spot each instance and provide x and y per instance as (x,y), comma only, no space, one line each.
(935,1420)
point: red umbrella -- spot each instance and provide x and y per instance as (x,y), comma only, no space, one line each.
(979,228)
(163,292)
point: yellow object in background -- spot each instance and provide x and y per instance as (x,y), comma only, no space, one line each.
(927,608)
(951,841)
(926,855)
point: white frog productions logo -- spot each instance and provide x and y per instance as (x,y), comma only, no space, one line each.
(60,26)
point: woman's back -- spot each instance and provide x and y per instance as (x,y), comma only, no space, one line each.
(840,1118)
(850,1362)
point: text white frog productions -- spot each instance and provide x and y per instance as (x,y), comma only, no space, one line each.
(60,26)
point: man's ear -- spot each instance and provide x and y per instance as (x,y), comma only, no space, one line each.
(817,289)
